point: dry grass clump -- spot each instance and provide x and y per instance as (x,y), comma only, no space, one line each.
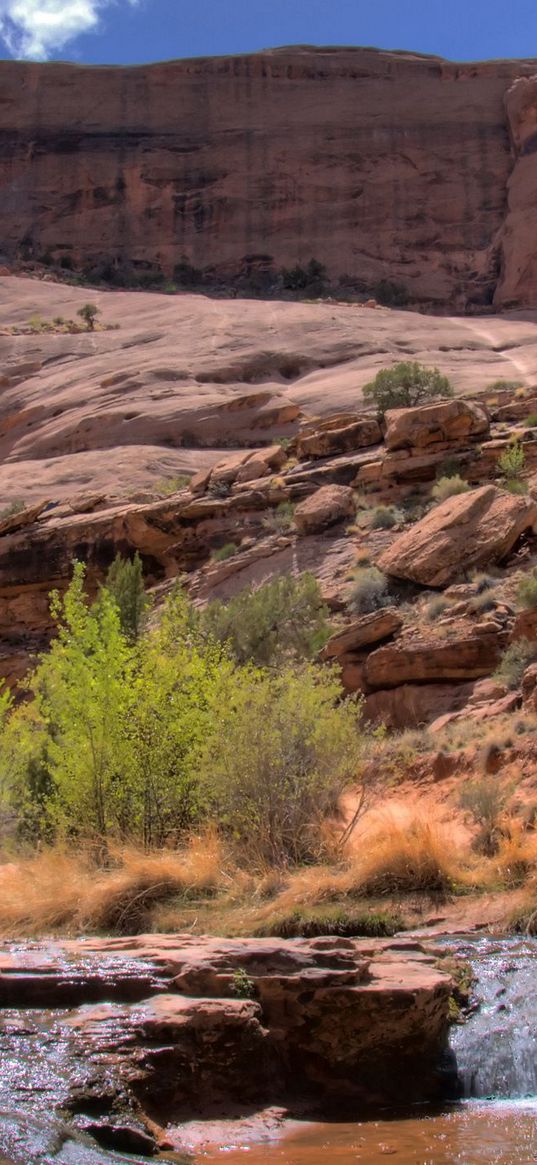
(406,858)
(42,893)
(59,890)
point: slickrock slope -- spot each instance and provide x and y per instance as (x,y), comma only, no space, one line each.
(376,163)
(183,378)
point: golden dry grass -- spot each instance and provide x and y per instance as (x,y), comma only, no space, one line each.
(61,890)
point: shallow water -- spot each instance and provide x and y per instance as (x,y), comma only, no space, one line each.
(496,1054)
(473,1133)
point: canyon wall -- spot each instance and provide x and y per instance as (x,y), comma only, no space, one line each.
(380,165)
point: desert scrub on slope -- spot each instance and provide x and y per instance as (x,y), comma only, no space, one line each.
(369,591)
(285,618)
(512,462)
(527,591)
(514,662)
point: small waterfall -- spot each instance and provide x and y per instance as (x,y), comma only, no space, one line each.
(496,1049)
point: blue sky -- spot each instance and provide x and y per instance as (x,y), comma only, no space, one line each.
(126,31)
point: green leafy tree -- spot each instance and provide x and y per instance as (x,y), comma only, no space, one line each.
(125,582)
(89,312)
(405,385)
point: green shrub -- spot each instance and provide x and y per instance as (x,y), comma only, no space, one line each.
(514,662)
(89,312)
(527,591)
(347,921)
(405,385)
(485,799)
(531,421)
(384,518)
(498,385)
(286,747)
(369,591)
(311,278)
(512,461)
(224,552)
(449,487)
(285,618)
(515,486)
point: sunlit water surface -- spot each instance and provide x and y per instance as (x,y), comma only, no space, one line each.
(473,1133)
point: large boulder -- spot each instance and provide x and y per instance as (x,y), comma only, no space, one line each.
(338,435)
(368,629)
(444,422)
(420,659)
(470,530)
(325,507)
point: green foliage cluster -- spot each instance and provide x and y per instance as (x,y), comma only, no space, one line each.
(512,461)
(284,619)
(405,385)
(140,734)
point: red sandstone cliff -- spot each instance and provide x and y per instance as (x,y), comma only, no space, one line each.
(378,164)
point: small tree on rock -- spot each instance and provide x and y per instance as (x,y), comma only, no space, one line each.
(89,312)
(405,385)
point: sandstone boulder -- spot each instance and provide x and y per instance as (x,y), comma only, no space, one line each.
(444,422)
(470,530)
(338,435)
(463,656)
(328,505)
(372,628)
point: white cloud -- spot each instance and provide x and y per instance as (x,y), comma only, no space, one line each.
(36,29)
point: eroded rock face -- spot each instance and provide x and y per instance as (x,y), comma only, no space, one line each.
(470,530)
(451,421)
(153,174)
(363,632)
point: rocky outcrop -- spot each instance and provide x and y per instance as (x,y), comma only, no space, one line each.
(242,165)
(413,705)
(327,506)
(363,632)
(336,1022)
(445,422)
(467,531)
(337,435)
(424,659)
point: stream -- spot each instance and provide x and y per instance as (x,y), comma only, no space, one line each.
(493,1120)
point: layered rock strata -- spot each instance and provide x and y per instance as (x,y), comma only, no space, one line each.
(160,1028)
